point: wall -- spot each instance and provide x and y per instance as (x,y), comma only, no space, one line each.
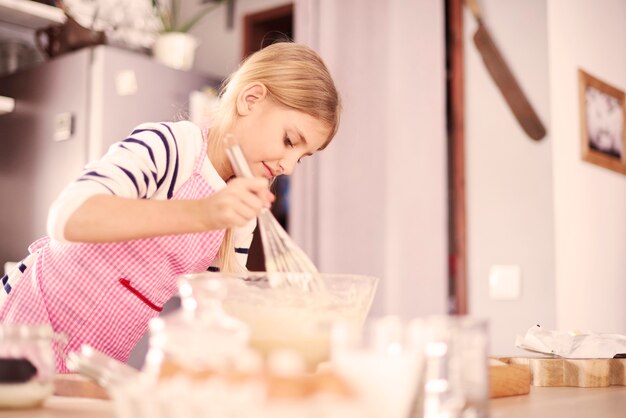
(590,201)
(221,48)
(509,176)
(538,205)
(377,197)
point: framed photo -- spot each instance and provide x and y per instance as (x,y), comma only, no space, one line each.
(602,116)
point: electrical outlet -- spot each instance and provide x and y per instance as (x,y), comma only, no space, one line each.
(505,282)
(63,126)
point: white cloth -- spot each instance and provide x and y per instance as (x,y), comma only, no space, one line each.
(572,344)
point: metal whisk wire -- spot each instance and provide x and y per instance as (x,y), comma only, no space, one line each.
(282,255)
(287,257)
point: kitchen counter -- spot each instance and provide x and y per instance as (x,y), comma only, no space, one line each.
(540,403)
(563,402)
(65,407)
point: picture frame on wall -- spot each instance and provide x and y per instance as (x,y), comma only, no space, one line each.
(602,123)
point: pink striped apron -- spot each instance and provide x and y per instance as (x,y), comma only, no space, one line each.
(105,294)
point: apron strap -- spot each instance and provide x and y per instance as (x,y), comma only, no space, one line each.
(38,244)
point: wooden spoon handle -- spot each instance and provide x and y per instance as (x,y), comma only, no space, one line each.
(473,6)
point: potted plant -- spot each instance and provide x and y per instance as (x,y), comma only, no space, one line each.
(174,46)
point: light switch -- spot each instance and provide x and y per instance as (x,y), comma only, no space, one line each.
(505,281)
(63,126)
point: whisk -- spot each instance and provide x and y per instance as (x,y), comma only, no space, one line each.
(281,253)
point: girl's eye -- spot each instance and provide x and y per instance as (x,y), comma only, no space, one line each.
(288,142)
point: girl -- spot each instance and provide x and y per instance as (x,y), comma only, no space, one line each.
(163,202)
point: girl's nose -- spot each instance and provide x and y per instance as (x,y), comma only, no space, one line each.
(287,165)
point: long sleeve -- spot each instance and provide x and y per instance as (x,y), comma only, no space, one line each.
(148,164)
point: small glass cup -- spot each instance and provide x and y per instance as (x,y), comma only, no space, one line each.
(456,374)
(382,361)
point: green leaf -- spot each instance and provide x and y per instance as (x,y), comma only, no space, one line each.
(163,15)
(169,14)
(175,8)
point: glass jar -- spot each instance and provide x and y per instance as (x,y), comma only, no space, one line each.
(199,337)
(27,366)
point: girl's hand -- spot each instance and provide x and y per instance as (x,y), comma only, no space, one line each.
(235,205)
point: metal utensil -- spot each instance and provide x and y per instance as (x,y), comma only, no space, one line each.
(280,251)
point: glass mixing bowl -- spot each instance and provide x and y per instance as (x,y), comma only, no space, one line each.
(288,317)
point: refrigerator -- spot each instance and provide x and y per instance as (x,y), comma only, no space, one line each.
(68,111)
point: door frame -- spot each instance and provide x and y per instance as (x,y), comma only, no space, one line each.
(252,20)
(456,158)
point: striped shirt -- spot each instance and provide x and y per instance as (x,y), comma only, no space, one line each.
(151,163)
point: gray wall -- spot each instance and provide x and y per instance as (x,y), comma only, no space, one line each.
(538,205)
(509,182)
(589,201)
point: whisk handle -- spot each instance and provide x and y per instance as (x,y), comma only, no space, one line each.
(236,157)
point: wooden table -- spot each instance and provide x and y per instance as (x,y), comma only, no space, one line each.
(563,402)
(64,407)
(540,403)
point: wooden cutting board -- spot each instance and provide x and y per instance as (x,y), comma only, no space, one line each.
(507,379)
(584,373)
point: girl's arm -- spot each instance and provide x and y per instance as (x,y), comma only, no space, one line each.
(127,193)
(107,218)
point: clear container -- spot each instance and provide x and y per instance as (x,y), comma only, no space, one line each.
(27,365)
(383,362)
(456,372)
(289,317)
(198,338)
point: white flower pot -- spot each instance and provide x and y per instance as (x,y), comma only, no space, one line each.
(175,49)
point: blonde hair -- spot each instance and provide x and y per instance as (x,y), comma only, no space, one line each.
(296,77)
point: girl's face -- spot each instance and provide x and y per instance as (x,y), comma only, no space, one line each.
(275,138)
